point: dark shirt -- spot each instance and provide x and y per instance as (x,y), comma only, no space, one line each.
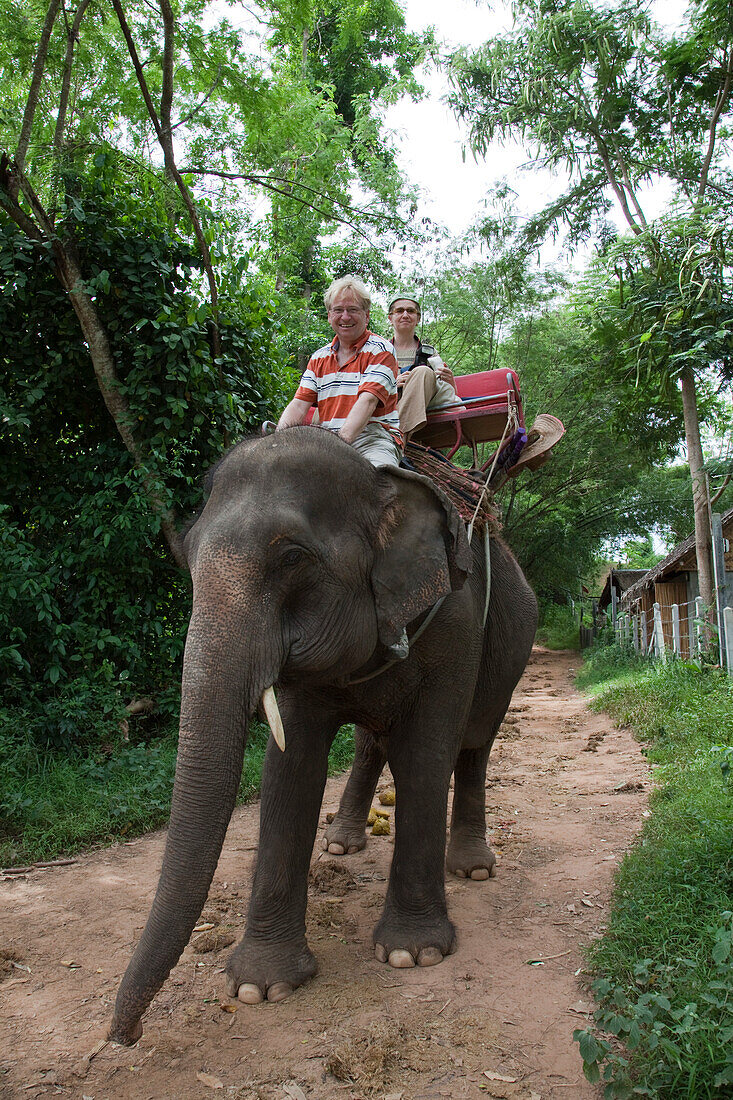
(422,354)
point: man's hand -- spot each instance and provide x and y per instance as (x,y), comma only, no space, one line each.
(356,421)
(294,413)
(401,380)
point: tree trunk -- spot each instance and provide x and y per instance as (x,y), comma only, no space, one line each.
(34,93)
(12,179)
(700,494)
(110,387)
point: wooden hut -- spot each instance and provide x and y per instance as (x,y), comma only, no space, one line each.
(672,582)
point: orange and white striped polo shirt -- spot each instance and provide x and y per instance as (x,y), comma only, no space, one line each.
(334,389)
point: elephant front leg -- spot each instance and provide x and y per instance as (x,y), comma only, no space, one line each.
(347,832)
(469,856)
(273,957)
(414,928)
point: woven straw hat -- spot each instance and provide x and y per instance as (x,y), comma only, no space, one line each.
(545,432)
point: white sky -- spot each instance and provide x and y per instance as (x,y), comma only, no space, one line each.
(430,139)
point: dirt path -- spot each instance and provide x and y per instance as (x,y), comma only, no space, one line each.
(564,794)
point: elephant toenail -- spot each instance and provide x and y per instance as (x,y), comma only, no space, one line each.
(460,873)
(492,871)
(401,959)
(480,874)
(381,953)
(429,956)
(324,844)
(279,991)
(336,849)
(250,994)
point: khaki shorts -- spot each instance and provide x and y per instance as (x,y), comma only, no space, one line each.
(378,446)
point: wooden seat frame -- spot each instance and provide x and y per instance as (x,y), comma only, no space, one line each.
(487,401)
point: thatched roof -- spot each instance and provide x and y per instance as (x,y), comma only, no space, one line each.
(682,558)
(623,579)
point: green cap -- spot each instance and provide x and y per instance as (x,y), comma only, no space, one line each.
(403,297)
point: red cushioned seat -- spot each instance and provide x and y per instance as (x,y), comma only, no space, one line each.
(489,399)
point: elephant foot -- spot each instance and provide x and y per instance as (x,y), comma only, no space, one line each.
(344,836)
(123,1033)
(470,857)
(418,947)
(258,971)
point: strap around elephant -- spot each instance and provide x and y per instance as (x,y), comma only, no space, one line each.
(431,615)
(420,630)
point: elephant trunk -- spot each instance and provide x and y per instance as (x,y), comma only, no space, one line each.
(219,697)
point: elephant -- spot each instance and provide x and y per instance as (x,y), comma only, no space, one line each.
(308,563)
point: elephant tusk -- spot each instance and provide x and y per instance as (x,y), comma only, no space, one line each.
(272,713)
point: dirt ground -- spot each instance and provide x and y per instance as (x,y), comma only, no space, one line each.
(565,794)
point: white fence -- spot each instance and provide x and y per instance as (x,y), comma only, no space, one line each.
(675,631)
(680,629)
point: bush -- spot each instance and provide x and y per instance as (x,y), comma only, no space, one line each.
(93,610)
(558,627)
(608,660)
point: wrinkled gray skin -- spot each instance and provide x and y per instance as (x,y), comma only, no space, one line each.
(307,562)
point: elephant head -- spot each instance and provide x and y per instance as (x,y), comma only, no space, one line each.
(305,561)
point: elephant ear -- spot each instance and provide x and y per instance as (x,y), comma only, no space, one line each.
(422,552)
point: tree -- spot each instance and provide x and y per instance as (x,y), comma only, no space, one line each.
(355,58)
(600,92)
(495,312)
(639,554)
(560,518)
(469,305)
(38,206)
(192,95)
(90,604)
(137,339)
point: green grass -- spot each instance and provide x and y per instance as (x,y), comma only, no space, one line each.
(664,976)
(53,804)
(558,628)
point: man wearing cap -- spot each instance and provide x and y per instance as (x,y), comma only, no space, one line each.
(424,381)
(352,381)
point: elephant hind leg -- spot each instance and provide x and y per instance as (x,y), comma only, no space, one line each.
(468,855)
(347,832)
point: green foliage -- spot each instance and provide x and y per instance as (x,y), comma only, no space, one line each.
(90,602)
(342,64)
(54,803)
(355,50)
(567,81)
(607,480)
(686,1044)
(558,518)
(661,306)
(469,309)
(558,628)
(665,983)
(606,661)
(639,554)
(599,91)
(342,750)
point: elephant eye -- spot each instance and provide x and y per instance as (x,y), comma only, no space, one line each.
(292,557)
